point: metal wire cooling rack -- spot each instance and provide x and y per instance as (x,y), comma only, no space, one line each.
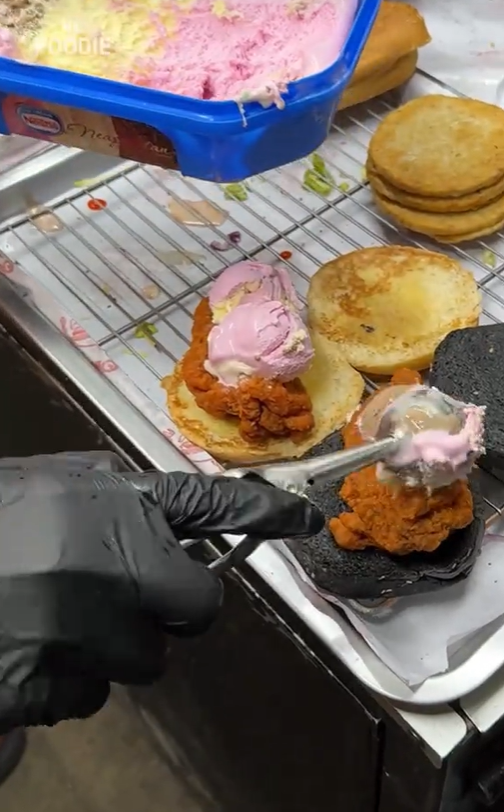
(131,264)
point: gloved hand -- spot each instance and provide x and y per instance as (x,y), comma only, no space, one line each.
(92,574)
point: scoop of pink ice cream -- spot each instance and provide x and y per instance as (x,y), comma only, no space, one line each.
(251,283)
(434,458)
(265,339)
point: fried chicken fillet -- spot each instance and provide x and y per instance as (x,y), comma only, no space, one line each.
(264,408)
(398,520)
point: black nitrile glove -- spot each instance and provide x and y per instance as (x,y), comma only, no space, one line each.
(92,574)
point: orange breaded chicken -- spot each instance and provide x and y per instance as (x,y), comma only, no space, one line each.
(263,408)
(398,520)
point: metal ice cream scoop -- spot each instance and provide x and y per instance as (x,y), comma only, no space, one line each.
(298,476)
(416,409)
(445,451)
(419,408)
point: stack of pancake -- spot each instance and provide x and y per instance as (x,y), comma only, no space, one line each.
(390,55)
(436,166)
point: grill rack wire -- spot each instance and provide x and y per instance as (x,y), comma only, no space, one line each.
(347,218)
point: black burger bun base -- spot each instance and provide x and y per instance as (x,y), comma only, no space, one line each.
(371,573)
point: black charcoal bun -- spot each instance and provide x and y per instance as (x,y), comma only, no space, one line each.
(372,573)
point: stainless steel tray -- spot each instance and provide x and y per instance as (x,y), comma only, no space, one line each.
(93,279)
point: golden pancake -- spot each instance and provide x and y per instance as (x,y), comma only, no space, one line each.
(395,75)
(447,205)
(486,220)
(439,146)
(389,307)
(444,238)
(398,31)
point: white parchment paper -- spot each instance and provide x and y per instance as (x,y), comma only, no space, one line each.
(419,635)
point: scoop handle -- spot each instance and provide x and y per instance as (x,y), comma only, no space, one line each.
(339,464)
(299,475)
(237,555)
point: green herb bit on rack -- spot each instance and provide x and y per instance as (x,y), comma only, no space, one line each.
(140,354)
(318,179)
(489,258)
(236,191)
(314,183)
(319,165)
(146,330)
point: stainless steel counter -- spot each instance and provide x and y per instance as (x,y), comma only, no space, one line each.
(79,294)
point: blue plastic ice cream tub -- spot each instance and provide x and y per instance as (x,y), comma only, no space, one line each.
(218,141)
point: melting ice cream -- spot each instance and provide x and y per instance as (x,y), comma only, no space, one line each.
(266,339)
(251,283)
(440,456)
(439,448)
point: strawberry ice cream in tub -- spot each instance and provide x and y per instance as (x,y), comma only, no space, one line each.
(221,89)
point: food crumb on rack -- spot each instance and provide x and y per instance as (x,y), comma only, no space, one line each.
(84,183)
(314,183)
(233,238)
(489,258)
(220,245)
(196,213)
(46,222)
(151,291)
(96,204)
(146,330)
(180,257)
(319,165)
(318,179)
(235,191)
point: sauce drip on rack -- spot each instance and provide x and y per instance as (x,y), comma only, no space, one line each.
(96,204)
(47,223)
(196,213)
(180,257)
